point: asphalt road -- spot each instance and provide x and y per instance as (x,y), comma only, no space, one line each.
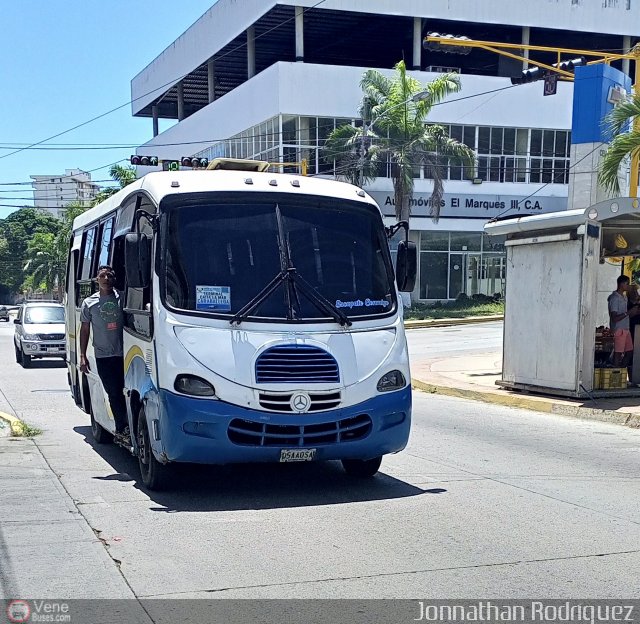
(486,501)
(456,340)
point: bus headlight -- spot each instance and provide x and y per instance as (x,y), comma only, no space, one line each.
(195,386)
(393,380)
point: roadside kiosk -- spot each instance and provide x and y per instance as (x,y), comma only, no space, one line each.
(561,267)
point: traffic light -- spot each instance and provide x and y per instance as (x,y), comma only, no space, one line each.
(528,75)
(144,161)
(437,46)
(195,163)
(536,73)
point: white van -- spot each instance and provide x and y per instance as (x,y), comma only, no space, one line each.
(39,332)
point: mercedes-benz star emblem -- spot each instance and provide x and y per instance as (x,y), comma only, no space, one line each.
(300,402)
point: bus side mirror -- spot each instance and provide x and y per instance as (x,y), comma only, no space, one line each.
(406,266)
(137,257)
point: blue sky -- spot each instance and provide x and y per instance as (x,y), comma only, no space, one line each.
(64,62)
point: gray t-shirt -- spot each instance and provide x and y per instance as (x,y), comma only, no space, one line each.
(105,315)
(618,305)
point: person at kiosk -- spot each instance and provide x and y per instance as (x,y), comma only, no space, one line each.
(619,316)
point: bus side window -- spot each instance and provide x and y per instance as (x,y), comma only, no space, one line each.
(85,269)
(138,317)
(104,249)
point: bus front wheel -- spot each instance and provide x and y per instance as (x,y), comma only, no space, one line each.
(361,467)
(155,475)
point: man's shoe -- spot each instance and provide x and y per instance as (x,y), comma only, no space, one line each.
(123,437)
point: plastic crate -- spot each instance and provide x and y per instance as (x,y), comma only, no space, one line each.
(610,378)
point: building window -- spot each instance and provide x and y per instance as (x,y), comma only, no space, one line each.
(460,262)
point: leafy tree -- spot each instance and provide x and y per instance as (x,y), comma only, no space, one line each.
(623,145)
(395,129)
(15,233)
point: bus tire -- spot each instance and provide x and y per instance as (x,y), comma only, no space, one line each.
(155,476)
(362,467)
(100,434)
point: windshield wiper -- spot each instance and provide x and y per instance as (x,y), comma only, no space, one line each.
(320,301)
(263,295)
(289,275)
(293,280)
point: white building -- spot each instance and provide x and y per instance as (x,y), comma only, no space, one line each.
(53,192)
(270,79)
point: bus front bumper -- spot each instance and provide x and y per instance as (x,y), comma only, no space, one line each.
(214,432)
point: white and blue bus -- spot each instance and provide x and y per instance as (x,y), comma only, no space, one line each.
(262,321)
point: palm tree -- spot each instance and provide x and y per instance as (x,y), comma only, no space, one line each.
(44,264)
(123,175)
(394,112)
(623,145)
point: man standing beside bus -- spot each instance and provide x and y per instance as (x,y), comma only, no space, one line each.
(102,313)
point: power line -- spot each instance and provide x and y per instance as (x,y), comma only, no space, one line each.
(109,146)
(171,82)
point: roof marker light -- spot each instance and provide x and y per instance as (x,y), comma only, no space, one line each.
(175,184)
(360,193)
(273,182)
(248,181)
(295,183)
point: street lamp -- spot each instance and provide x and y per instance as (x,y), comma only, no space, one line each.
(420,96)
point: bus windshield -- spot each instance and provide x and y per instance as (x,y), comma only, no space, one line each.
(219,255)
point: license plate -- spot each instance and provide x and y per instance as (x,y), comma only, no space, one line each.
(53,349)
(297,455)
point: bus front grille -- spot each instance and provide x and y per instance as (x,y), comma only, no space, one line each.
(295,364)
(281,401)
(249,433)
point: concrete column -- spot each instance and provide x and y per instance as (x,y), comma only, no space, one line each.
(251,52)
(626,47)
(154,114)
(299,34)
(180,101)
(526,39)
(211,79)
(417,42)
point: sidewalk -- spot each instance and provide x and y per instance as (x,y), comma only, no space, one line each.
(474,377)
(47,548)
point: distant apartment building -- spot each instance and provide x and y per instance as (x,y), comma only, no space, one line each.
(53,192)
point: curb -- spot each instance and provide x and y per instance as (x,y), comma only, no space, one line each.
(467,320)
(575,411)
(17,426)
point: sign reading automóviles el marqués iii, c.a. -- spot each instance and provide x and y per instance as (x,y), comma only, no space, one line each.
(474,206)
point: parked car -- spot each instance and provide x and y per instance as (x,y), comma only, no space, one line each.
(39,332)
(4,313)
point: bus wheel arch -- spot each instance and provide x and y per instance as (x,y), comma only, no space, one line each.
(155,475)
